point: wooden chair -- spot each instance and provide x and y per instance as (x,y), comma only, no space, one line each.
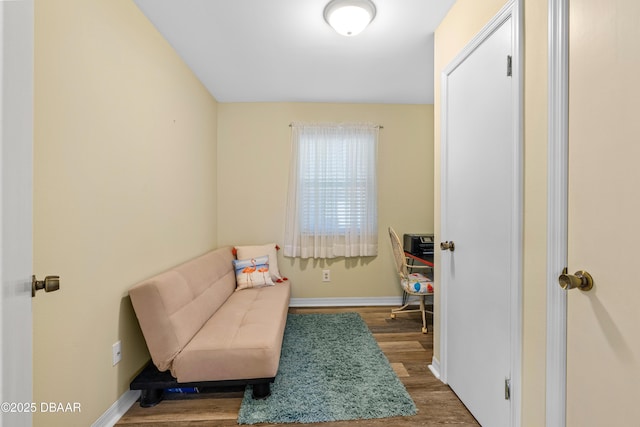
(412,283)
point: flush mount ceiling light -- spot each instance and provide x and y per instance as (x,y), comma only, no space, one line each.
(349,17)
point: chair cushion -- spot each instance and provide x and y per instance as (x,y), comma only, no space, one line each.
(417,283)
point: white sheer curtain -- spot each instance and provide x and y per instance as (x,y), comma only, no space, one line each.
(332,199)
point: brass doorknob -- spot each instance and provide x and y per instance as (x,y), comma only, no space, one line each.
(581,280)
(49,284)
(447,246)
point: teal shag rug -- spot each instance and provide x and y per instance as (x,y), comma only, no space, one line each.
(331,369)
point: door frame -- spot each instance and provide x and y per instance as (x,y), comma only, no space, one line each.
(512,9)
(16,152)
(557,211)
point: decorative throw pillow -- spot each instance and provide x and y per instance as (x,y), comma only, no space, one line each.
(270,250)
(252,272)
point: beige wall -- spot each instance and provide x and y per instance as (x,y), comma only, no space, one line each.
(129,148)
(253,152)
(464,21)
(124,187)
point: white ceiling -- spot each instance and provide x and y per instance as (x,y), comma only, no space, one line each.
(283,50)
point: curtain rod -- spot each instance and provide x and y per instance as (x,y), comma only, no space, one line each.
(378,126)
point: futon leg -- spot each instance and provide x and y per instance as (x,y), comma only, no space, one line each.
(151,397)
(261,391)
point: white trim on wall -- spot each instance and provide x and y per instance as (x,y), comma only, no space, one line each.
(557,181)
(16,210)
(434,367)
(345,302)
(118,409)
(517,11)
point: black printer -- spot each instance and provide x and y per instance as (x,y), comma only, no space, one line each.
(420,245)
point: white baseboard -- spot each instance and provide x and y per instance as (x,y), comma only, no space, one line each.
(118,409)
(434,367)
(345,302)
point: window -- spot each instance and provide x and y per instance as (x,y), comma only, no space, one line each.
(332,199)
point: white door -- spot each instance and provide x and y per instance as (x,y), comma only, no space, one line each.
(16,134)
(603,325)
(481,215)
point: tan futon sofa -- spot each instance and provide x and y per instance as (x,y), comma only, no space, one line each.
(203,332)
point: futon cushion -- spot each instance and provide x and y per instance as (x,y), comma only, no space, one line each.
(173,306)
(242,340)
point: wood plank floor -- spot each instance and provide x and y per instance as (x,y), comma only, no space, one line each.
(408,350)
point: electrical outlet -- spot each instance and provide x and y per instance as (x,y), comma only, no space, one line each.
(116,352)
(326,275)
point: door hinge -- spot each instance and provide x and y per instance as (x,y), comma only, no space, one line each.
(509,66)
(507,389)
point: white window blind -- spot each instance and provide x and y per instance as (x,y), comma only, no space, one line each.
(332,198)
